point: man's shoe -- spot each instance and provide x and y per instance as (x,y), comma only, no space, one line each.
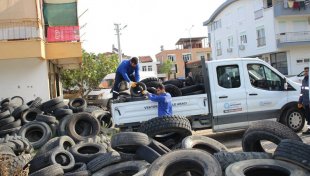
(306,132)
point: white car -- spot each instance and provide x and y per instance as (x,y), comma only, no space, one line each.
(298,78)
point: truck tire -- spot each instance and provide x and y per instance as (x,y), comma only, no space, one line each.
(37,133)
(179,162)
(150,79)
(203,143)
(126,168)
(295,152)
(152,84)
(264,167)
(103,160)
(35,103)
(227,158)
(266,130)
(176,82)
(78,105)
(160,129)
(294,118)
(137,91)
(173,90)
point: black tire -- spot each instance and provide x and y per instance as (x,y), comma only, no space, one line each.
(173,90)
(78,105)
(35,103)
(7,120)
(30,115)
(37,133)
(4,102)
(179,162)
(189,81)
(227,158)
(189,89)
(62,129)
(146,153)
(94,123)
(63,158)
(151,90)
(40,161)
(294,118)
(150,79)
(17,113)
(178,126)
(103,160)
(9,131)
(203,143)
(52,170)
(153,84)
(85,152)
(106,120)
(137,91)
(295,152)
(52,102)
(264,167)
(195,93)
(17,100)
(63,142)
(10,125)
(77,167)
(125,167)
(176,82)
(47,119)
(78,173)
(159,147)
(5,114)
(51,109)
(60,113)
(129,142)
(266,130)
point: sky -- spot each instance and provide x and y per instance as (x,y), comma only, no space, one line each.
(150,23)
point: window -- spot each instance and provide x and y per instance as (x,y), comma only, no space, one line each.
(263,77)
(216,25)
(228,76)
(171,57)
(149,68)
(230,42)
(143,68)
(218,48)
(187,57)
(279,62)
(261,39)
(243,39)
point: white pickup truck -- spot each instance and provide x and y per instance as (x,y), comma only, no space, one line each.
(237,92)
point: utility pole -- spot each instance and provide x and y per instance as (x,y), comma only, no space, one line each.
(118,29)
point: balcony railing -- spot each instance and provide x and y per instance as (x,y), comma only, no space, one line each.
(282,9)
(261,41)
(259,14)
(293,37)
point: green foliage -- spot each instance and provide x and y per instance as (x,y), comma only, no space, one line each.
(88,76)
(166,67)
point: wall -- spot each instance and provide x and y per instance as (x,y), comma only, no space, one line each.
(147,73)
(294,54)
(27,78)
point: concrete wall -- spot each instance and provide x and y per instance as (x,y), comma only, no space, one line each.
(27,78)
(294,54)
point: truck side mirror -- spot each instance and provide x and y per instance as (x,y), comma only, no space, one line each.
(285,85)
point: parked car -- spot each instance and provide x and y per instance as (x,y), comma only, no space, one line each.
(298,78)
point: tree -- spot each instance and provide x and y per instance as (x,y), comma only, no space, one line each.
(88,76)
(166,67)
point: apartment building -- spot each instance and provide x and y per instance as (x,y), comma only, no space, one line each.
(37,39)
(148,67)
(277,31)
(187,49)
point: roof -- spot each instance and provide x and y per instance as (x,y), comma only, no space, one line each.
(218,11)
(192,39)
(144,59)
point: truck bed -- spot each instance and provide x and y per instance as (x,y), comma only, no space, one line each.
(139,111)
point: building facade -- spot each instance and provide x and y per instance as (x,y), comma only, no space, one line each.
(37,39)
(148,67)
(188,49)
(277,31)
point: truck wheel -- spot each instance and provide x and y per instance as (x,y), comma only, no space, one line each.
(294,119)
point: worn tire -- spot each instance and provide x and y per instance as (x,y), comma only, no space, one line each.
(294,118)
(78,105)
(85,152)
(226,158)
(4,114)
(9,131)
(17,100)
(151,90)
(264,167)
(7,120)
(152,84)
(42,130)
(35,103)
(47,119)
(123,167)
(63,123)
(146,153)
(60,113)
(30,115)
(106,120)
(137,91)
(155,128)
(103,160)
(159,147)
(203,143)
(190,89)
(173,90)
(129,142)
(10,125)
(52,170)
(63,142)
(176,82)
(150,79)
(179,162)
(63,158)
(295,152)
(17,113)
(266,130)
(78,167)
(79,117)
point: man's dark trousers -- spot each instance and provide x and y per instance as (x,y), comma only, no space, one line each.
(118,79)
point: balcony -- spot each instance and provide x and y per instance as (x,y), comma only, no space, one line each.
(293,39)
(280,10)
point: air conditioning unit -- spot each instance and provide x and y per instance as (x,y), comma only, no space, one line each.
(229,50)
(241,47)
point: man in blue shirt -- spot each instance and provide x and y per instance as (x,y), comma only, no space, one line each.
(128,70)
(304,98)
(164,100)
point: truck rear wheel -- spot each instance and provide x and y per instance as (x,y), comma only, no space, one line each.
(294,118)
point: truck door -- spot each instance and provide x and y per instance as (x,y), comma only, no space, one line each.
(265,93)
(230,97)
